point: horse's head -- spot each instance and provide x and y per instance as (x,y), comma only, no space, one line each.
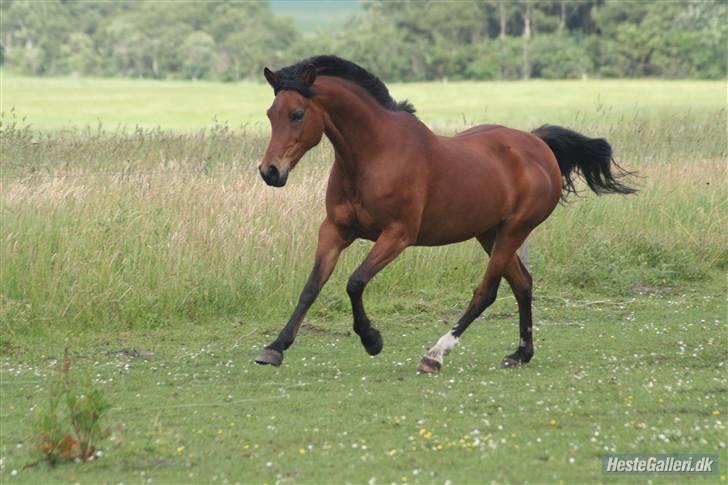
(297,124)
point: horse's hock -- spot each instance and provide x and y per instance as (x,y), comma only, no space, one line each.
(523,254)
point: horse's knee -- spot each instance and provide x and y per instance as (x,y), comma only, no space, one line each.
(355,285)
(308,296)
(524,295)
(484,299)
(490,296)
(529,279)
(522,287)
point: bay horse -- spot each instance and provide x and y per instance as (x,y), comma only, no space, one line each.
(395,182)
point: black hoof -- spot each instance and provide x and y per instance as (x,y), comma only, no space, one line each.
(428,366)
(372,341)
(269,356)
(516,359)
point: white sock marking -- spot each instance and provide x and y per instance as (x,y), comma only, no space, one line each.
(443,346)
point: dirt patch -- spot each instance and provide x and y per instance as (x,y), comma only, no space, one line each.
(133,353)
(316,330)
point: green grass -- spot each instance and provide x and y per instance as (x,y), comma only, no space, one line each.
(52,104)
(638,374)
(117,241)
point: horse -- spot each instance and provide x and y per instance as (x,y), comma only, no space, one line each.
(396,183)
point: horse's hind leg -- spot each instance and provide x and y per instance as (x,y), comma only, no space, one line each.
(521,283)
(507,241)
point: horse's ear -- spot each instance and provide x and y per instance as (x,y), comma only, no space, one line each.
(309,74)
(271,77)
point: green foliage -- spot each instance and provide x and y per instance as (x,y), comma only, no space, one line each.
(667,39)
(189,40)
(500,59)
(86,407)
(69,425)
(53,442)
(559,57)
(198,51)
(406,40)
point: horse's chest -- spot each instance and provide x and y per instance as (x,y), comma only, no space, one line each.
(366,224)
(356,216)
(367,207)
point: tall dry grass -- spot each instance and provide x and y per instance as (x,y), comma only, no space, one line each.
(113,230)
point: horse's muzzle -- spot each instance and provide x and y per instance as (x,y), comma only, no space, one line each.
(273,176)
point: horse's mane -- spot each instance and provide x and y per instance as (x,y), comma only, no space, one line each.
(290,78)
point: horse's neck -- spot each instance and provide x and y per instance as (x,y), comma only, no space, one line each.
(354,124)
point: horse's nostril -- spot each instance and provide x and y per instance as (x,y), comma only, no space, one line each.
(273,176)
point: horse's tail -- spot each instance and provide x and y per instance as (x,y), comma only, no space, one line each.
(590,158)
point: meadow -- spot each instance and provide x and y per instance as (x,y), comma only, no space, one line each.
(52,104)
(136,231)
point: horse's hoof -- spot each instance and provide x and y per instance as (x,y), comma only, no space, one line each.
(374,342)
(428,366)
(269,356)
(516,359)
(509,363)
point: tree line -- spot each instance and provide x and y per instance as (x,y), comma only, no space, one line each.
(407,40)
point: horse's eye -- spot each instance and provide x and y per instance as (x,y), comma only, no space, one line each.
(296,115)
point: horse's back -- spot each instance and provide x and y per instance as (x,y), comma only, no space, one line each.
(486,175)
(476,130)
(523,153)
(533,172)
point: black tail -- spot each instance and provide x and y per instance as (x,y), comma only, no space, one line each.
(591,158)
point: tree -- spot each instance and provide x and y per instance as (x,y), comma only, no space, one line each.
(78,56)
(198,55)
(553,57)
(39,28)
(399,40)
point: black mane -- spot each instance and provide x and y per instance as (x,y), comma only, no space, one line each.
(290,78)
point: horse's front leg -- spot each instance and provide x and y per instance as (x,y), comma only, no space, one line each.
(388,246)
(332,240)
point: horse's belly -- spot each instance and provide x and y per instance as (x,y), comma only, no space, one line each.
(456,227)
(460,208)
(441,240)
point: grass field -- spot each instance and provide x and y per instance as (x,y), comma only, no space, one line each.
(164,263)
(52,104)
(638,374)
